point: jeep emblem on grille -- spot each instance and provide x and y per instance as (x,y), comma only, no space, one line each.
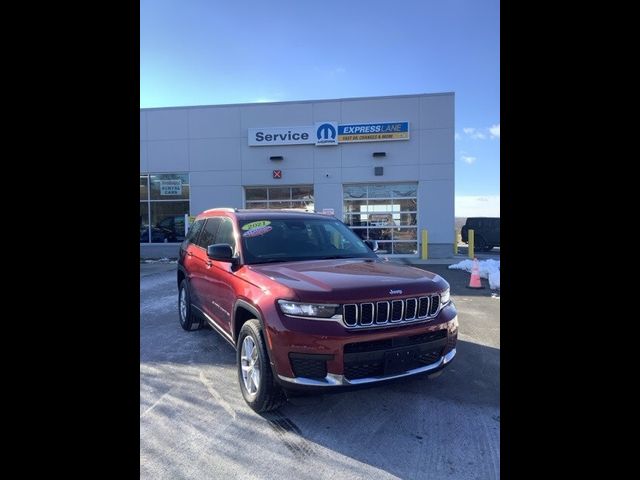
(395,292)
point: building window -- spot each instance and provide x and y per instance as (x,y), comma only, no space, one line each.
(387,213)
(164,201)
(300,197)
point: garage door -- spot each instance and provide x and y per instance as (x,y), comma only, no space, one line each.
(386,212)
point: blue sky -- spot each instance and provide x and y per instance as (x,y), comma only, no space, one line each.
(199,52)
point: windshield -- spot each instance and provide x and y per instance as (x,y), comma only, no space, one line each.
(285,240)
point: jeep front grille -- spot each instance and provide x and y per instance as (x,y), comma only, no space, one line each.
(350,315)
(434,305)
(390,312)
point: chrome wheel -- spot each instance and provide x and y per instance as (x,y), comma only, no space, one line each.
(250,365)
(183,305)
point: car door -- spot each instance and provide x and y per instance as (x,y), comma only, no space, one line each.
(219,280)
(187,249)
(201,264)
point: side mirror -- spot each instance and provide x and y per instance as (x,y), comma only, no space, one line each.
(221,252)
(372,244)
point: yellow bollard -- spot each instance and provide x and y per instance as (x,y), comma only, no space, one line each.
(424,244)
(455,241)
(471,238)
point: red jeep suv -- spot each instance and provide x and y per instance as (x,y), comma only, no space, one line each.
(307,304)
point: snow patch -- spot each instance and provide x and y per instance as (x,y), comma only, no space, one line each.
(489,269)
(494,279)
(161,260)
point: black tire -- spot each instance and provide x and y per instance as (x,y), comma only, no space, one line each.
(268,396)
(188,320)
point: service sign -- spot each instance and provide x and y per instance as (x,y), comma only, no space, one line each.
(373,132)
(328,133)
(259,137)
(170,187)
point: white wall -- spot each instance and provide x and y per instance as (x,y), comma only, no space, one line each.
(211,143)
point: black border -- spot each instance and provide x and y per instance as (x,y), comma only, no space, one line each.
(553,259)
(77,276)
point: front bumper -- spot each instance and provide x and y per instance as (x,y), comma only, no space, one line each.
(336,380)
(357,357)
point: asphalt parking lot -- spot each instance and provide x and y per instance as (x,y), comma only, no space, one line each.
(194,422)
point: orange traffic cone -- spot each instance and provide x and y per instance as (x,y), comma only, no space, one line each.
(475,282)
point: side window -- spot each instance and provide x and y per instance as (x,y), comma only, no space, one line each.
(225,234)
(194,230)
(208,235)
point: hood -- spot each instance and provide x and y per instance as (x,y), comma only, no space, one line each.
(351,280)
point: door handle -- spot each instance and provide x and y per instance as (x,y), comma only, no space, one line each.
(209,264)
(189,254)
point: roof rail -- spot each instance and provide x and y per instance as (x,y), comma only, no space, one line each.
(276,210)
(221,209)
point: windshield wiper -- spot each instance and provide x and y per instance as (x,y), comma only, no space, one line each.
(333,257)
(272,260)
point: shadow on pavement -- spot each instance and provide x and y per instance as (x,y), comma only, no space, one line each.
(413,415)
(447,426)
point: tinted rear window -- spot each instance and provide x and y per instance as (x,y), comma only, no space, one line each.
(483,223)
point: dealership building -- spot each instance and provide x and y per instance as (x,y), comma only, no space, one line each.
(382,165)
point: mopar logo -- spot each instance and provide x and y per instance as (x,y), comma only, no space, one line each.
(325,130)
(395,292)
(326,133)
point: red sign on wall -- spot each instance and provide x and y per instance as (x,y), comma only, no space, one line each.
(277,174)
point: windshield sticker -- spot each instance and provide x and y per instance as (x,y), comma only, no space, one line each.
(256,232)
(259,223)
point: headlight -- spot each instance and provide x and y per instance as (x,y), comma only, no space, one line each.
(317,310)
(444,297)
